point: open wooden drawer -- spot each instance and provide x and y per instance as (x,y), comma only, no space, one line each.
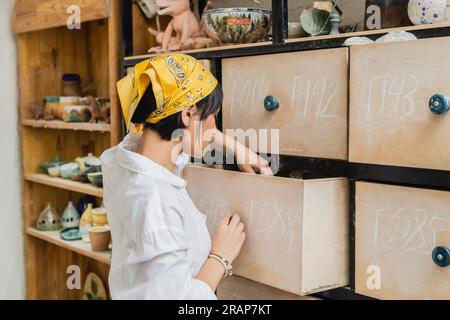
(297,230)
(397,231)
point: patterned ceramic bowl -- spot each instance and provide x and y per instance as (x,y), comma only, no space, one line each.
(238,25)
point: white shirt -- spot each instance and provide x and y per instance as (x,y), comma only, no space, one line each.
(160,240)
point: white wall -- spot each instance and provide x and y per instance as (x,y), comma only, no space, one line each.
(12,284)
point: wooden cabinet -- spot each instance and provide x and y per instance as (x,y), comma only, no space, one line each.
(238,288)
(301,94)
(390,119)
(397,230)
(297,230)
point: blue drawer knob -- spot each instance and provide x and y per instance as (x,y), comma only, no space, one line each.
(271,103)
(441,256)
(439,103)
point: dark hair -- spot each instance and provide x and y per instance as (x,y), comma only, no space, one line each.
(209,105)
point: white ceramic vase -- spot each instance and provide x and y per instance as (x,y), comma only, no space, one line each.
(427,11)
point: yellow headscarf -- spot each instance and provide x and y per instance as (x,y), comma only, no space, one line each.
(178,81)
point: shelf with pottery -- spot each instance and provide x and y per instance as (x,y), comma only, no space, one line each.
(62,125)
(59,61)
(306,34)
(77,246)
(65,184)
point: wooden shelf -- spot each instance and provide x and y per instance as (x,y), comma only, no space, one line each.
(58,124)
(61,183)
(38,15)
(299,44)
(77,246)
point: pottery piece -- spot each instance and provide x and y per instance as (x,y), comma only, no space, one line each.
(51,108)
(427,11)
(99,217)
(99,237)
(238,25)
(94,288)
(316,22)
(68,169)
(87,217)
(44,166)
(54,171)
(84,201)
(71,85)
(357,41)
(96,178)
(49,219)
(70,217)
(295,30)
(397,35)
(77,114)
(37,107)
(84,175)
(70,234)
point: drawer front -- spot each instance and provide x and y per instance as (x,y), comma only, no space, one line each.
(238,288)
(311,88)
(390,119)
(290,240)
(397,229)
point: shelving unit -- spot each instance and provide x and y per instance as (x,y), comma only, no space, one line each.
(47,50)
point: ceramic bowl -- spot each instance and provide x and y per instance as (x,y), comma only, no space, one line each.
(84,175)
(69,169)
(54,171)
(99,237)
(71,234)
(44,166)
(96,178)
(295,29)
(238,25)
(99,217)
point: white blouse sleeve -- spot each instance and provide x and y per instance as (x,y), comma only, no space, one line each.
(161,265)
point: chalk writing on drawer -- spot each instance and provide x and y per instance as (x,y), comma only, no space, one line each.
(266,221)
(310,97)
(407,230)
(392,95)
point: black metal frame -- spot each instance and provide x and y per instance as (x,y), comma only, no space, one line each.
(420,178)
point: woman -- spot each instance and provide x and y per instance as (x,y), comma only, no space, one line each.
(162,248)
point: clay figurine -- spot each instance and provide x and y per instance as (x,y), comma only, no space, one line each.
(184,24)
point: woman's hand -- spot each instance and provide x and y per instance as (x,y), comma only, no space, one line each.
(247,160)
(250,162)
(229,237)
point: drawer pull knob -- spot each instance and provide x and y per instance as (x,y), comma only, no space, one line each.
(441,256)
(271,103)
(439,103)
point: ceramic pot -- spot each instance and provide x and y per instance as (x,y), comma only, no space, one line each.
(238,25)
(84,201)
(427,11)
(70,217)
(69,169)
(48,219)
(100,237)
(99,217)
(53,171)
(96,178)
(44,166)
(77,114)
(87,217)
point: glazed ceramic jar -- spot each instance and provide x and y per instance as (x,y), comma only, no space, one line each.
(48,219)
(427,11)
(71,217)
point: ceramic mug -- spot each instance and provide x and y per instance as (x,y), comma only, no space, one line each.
(99,217)
(99,237)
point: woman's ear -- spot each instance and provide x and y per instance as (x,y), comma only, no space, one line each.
(187,115)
